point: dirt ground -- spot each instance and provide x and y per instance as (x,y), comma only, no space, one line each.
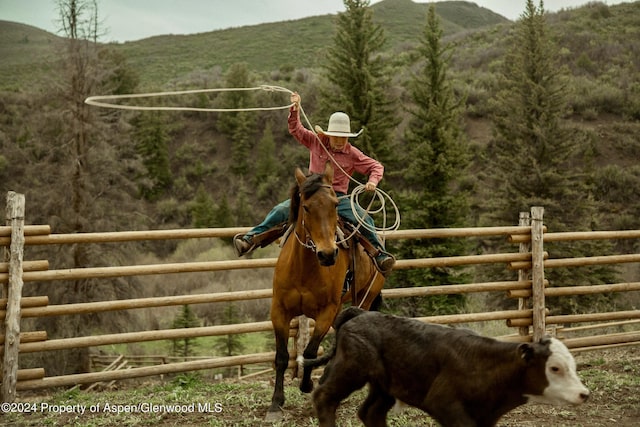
(613,377)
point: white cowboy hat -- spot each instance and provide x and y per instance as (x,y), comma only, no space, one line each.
(339,125)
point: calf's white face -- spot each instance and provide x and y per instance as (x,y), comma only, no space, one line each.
(564,385)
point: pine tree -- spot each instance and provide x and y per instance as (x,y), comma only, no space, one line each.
(531,153)
(151,139)
(243,211)
(266,180)
(223,215)
(266,162)
(185,347)
(238,125)
(436,156)
(229,345)
(203,209)
(121,79)
(532,147)
(360,83)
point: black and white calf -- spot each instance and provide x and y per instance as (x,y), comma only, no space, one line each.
(458,377)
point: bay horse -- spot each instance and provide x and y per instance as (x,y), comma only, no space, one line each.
(310,273)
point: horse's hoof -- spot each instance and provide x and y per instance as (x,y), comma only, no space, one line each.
(306,387)
(274,416)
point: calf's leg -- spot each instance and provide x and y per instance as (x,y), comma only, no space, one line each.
(327,398)
(338,383)
(373,412)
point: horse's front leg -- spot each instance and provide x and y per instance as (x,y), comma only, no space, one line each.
(323,323)
(281,330)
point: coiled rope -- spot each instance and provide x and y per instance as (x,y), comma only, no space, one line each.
(107,101)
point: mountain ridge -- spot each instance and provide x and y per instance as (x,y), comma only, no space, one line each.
(292,43)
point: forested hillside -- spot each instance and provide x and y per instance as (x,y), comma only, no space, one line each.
(598,45)
(135,170)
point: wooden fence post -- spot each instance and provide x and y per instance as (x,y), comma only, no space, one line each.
(537,272)
(524,220)
(15,218)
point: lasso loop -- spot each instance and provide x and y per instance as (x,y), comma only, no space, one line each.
(99,101)
(381,196)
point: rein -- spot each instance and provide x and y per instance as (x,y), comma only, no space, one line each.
(309,244)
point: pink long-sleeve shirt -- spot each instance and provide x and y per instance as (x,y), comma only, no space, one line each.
(349,158)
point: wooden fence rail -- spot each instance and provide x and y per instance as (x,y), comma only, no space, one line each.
(531,318)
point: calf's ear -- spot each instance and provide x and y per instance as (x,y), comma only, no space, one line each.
(525,350)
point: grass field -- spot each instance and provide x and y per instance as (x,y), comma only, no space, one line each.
(613,376)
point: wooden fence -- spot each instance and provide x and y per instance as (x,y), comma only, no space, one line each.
(529,258)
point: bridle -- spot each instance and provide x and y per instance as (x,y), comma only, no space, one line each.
(308,243)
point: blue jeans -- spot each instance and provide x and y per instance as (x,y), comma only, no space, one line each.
(280,214)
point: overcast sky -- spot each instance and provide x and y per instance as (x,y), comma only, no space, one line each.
(127,20)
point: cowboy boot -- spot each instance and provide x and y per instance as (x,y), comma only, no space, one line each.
(384,262)
(243,244)
(246,243)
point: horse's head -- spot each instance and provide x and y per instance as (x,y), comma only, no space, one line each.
(313,207)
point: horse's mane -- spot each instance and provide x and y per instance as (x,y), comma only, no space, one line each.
(308,189)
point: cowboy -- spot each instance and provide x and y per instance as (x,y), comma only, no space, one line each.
(334,140)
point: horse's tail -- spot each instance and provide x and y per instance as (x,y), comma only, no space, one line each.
(341,319)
